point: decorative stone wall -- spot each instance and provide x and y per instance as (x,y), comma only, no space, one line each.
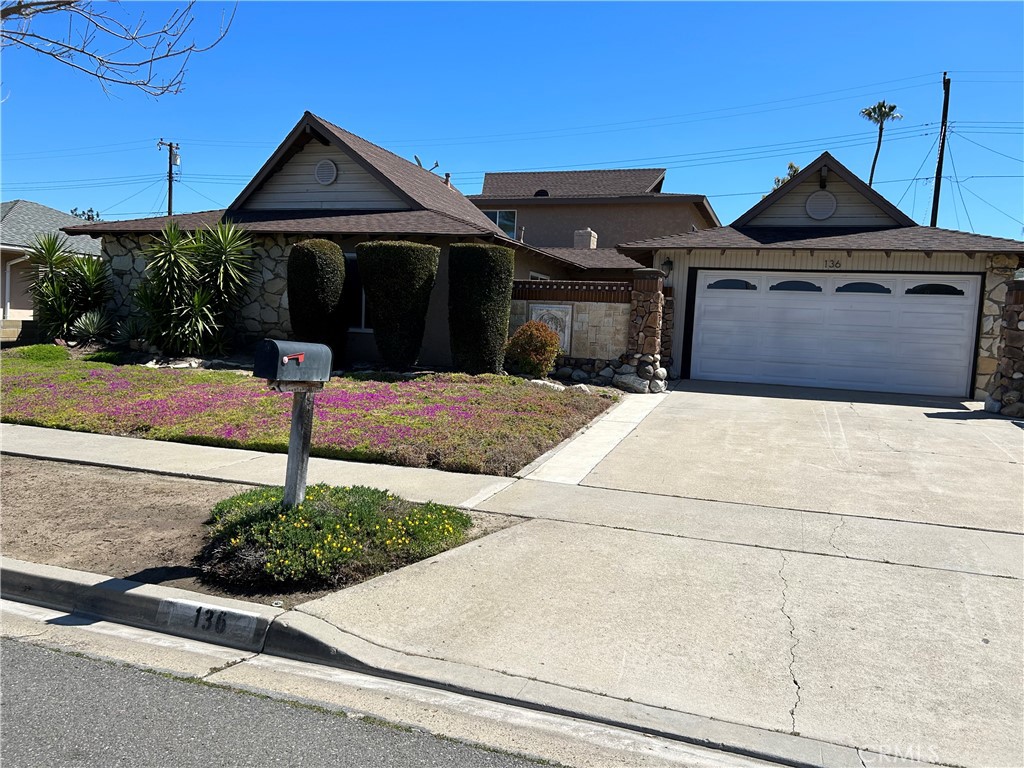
(1006,389)
(998,275)
(264,312)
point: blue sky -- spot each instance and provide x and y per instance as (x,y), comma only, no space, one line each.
(724,95)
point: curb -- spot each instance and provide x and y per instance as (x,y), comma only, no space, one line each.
(221,621)
(302,637)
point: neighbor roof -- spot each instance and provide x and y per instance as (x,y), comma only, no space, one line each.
(916,238)
(600,183)
(595,258)
(21,221)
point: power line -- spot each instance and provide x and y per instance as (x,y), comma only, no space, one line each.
(136,194)
(1008,157)
(986,202)
(925,160)
(956,179)
(187,186)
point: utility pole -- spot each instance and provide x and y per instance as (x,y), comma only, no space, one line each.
(942,149)
(173,159)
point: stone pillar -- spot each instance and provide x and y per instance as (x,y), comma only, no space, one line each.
(643,349)
(1006,390)
(667,327)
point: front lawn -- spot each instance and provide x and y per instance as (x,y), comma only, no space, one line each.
(480,424)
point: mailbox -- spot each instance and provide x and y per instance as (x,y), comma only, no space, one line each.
(292,361)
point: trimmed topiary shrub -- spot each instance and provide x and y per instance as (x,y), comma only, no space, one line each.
(398,277)
(479,301)
(316,278)
(533,348)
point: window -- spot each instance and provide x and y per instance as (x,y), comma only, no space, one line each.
(795,285)
(732,284)
(539,276)
(934,289)
(863,288)
(354,298)
(506,221)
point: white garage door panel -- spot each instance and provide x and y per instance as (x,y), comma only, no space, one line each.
(889,342)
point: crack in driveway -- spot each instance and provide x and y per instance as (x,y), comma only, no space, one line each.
(793,645)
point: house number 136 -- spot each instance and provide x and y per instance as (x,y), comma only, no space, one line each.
(207,619)
(833,264)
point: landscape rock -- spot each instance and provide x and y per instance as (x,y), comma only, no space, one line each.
(580,388)
(547,383)
(630,382)
(658,386)
(580,376)
(563,373)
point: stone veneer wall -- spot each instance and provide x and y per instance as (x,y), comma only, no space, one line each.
(668,322)
(263,314)
(599,330)
(1006,389)
(998,276)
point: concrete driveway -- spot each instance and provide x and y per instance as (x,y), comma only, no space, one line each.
(843,568)
(925,460)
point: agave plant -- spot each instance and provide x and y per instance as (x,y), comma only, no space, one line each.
(94,325)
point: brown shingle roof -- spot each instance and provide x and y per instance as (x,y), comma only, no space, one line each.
(319,222)
(916,238)
(594,258)
(600,183)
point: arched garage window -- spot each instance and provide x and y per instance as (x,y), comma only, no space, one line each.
(863,288)
(732,284)
(796,285)
(934,289)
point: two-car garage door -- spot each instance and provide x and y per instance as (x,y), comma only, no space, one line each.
(882,332)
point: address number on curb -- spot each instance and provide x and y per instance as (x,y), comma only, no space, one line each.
(203,621)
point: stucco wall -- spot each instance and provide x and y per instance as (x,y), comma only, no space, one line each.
(21,277)
(553,225)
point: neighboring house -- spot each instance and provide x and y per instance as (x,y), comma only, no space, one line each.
(580,216)
(825,283)
(325,182)
(21,222)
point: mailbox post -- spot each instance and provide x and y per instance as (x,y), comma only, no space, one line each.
(301,369)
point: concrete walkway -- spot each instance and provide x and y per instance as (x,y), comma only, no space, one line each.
(822,577)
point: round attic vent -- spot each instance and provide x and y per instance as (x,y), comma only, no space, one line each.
(541,193)
(820,205)
(325,172)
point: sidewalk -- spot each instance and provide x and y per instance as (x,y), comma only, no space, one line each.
(720,624)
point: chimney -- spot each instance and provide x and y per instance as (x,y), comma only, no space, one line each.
(448,180)
(584,238)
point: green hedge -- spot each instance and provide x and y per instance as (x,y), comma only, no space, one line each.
(479,302)
(397,277)
(316,278)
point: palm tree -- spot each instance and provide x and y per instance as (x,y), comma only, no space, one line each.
(879,114)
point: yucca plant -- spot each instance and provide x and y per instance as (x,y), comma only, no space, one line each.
(192,281)
(65,286)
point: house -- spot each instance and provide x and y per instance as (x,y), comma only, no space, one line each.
(825,283)
(325,182)
(21,222)
(580,216)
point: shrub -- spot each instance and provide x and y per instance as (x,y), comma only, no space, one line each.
(65,286)
(316,279)
(479,301)
(398,277)
(43,353)
(533,348)
(192,282)
(336,536)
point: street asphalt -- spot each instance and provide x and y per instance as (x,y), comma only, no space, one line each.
(832,578)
